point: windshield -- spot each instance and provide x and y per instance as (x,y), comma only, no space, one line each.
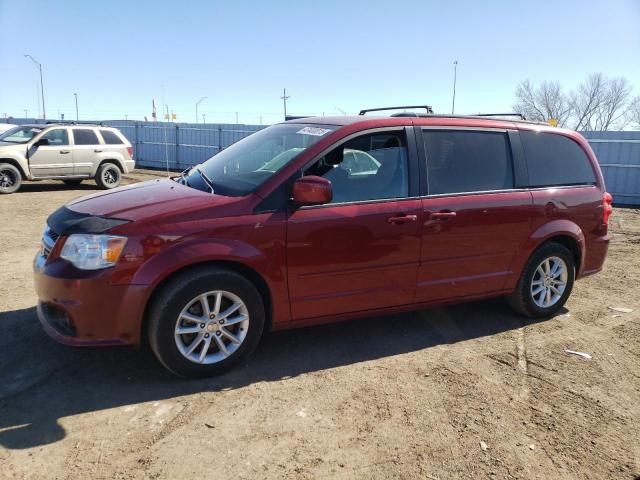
(20,134)
(244,166)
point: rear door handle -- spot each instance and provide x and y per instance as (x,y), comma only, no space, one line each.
(97,150)
(65,151)
(442,215)
(401,219)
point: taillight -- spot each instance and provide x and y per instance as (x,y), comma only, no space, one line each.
(130,150)
(608,209)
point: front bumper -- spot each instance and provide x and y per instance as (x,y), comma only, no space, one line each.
(87,311)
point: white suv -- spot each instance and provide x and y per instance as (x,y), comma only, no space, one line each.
(68,152)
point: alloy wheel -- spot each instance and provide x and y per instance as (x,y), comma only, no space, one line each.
(109,176)
(211,327)
(7,179)
(549,282)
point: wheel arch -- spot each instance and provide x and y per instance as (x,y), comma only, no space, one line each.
(115,161)
(15,163)
(240,268)
(562,231)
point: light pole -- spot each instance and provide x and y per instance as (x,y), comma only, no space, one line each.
(455,74)
(198,103)
(340,110)
(284,98)
(77,117)
(39,65)
(26,115)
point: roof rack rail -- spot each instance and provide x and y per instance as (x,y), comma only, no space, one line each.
(512,114)
(72,122)
(426,107)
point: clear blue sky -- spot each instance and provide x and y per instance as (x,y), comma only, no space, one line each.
(118,55)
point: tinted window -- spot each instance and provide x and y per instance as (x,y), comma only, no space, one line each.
(57,137)
(555,160)
(85,137)
(111,138)
(369,167)
(467,161)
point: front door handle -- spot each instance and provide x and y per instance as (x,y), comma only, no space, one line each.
(402,219)
(97,150)
(65,151)
(442,215)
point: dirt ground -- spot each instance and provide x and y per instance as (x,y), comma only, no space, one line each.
(470,391)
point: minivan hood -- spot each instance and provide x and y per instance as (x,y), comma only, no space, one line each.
(145,200)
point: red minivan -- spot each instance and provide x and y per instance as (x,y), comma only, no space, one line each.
(317,220)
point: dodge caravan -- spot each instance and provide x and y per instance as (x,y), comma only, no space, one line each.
(358,216)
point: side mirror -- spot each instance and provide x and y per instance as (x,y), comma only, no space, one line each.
(312,190)
(41,142)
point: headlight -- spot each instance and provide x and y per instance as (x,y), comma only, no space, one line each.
(93,252)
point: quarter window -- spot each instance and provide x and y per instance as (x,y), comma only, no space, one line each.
(467,161)
(57,137)
(85,137)
(369,167)
(554,160)
(111,138)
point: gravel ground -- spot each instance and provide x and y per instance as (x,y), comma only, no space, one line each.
(470,391)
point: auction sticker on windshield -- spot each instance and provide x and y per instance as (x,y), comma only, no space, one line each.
(316,132)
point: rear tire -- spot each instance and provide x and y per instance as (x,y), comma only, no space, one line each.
(72,181)
(546,282)
(10,178)
(177,319)
(108,176)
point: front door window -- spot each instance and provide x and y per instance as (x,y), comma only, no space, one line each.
(369,167)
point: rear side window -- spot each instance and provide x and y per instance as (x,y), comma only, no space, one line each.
(85,137)
(111,138)
(554,160)
(467,161)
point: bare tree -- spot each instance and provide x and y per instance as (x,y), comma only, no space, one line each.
(633,114)
(614,105)
(598,103)
(587,100)
(543,103)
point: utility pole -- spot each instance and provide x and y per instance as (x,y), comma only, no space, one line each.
(39,66)
(236,118)
(204,118)
(26,115)
(284,98)
(198,103)
(77,116)
(455,75)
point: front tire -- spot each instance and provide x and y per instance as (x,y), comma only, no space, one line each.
(10,178)
(546,282)
(108,176)
(205,322)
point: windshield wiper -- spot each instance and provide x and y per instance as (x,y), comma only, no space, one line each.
(205,178)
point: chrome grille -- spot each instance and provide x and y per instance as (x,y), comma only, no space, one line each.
(49,238)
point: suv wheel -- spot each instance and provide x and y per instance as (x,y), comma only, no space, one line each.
(10,178)
(72,181)
(545,283)
(205,322)
(108,176)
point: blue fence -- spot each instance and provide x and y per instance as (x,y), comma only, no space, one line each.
(619,157)
(182,145)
